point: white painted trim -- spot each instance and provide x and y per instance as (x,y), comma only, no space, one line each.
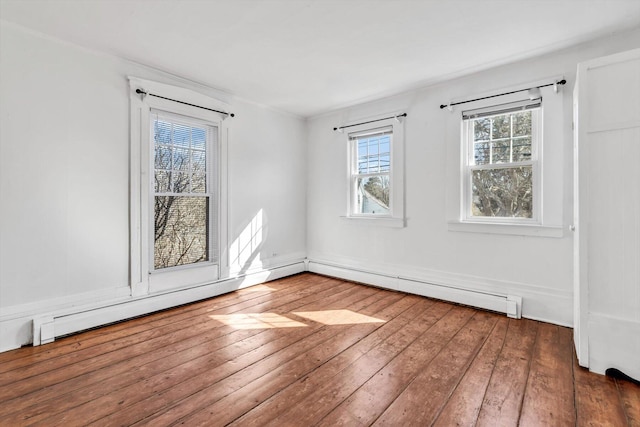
(549,221)
(61,303)
(605,61)
(43,330)
(397,172)
(376,221)
(141,194)
(580,217)
(100,316)
(499,303)
(614,126)
(509,229)
(589,335)
(614,343)
(451,279)
(268,263)
(514,306)
(546,304)
(45,323)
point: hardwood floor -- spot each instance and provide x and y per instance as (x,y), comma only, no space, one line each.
(312,350)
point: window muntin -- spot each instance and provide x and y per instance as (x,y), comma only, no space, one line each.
(371,172)
(501,168)
(183,198)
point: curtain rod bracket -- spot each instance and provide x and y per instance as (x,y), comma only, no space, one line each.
(142,93)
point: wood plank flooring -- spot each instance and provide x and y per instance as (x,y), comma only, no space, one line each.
(312,350)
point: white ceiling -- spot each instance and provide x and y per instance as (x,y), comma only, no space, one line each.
(311,56)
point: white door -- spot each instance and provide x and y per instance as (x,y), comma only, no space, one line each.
(607,216)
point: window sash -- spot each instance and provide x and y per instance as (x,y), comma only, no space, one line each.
(210,185)
(501,165)
(469,165)
(354,195)
(354,140)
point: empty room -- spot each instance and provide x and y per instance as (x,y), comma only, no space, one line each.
(319,212)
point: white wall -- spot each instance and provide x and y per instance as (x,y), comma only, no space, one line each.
(539,269)
(64,178)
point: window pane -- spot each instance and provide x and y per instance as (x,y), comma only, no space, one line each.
(163,157)
(181,230)
(363,167)
(504,138)
(385,145)
(198,183)
(162,181)
(481,129)
(199,138)
(501,151)
(181,135)
(180,182)
(372,195)
(385,163)
(374,154)
(198,161)
(521,149)
(162,132)
(502,192)
(180,158)
(501,126)
(362,148)
(522,123)
(481,153)
(373,146)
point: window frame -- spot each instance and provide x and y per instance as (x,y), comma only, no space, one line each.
(212,192)
(468,165)
(396,217)
(355,174)
(143,278)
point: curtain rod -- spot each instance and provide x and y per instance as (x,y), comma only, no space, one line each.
(451,104)
(140,91)
(371,121)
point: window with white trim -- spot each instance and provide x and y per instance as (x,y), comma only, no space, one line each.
(184,200)
(178,187)
(501,163)
(371,180)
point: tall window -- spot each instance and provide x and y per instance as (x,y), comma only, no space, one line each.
(184,203)
(501,172)
(371,171)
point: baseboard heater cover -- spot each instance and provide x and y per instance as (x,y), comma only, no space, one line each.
(511,305)
(47,327)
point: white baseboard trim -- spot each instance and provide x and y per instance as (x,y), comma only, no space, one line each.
(39,326)
(614,343)
(514,299)
(507,304)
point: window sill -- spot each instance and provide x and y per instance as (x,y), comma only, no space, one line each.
(379,221)
(509,229)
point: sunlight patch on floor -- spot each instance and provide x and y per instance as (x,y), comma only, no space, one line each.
(337,317)
(256,321)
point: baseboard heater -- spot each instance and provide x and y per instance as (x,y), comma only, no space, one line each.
(510,305)
(47,327)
